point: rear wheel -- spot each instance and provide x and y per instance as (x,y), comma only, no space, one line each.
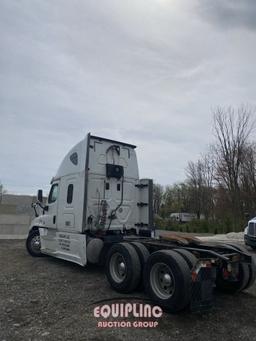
(143,254)
(188,256)
(252,274)
(167,280)
(123,267)
(233,286)
(33,244)
(251,267)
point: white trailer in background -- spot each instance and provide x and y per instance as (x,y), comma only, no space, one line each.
(99,211)
(183,217)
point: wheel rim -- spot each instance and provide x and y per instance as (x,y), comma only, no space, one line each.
(117,267)
(36,243)
(162,280)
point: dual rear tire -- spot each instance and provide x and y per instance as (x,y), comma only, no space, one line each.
(245,278)
(233,286)
(164,274)
(124,266)
(167,280)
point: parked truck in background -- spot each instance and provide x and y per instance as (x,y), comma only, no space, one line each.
(100,212)
(183,217)
(250,233)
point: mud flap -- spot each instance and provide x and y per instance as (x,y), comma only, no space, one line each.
(202,289)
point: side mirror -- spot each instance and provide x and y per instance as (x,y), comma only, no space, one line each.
(40,195)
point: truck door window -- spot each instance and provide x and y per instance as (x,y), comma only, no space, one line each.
(53,194)
(70,193)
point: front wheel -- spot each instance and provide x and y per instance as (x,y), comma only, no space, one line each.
(33,244)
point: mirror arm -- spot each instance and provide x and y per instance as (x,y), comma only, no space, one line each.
(34,207)
(44,208)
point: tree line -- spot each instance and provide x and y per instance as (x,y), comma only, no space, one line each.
(220,187)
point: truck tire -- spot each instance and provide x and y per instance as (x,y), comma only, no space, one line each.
(143,254)
(232,287)
(33,244)
(123,267)
(167,280)
(189,257)
(251,267)
(252,275)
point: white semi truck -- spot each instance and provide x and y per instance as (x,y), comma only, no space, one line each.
(98,211)
(250,233)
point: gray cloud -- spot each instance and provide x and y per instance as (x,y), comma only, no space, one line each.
(230,13)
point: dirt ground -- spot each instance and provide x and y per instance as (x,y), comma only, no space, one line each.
(49,299)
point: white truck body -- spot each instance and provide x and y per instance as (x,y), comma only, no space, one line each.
(87,191)
(100,212)
(250,233)
(183,217)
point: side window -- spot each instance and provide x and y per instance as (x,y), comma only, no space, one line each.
(70,193)
(53,195)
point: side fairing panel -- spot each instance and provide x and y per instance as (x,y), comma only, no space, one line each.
(68,246)
(71,175)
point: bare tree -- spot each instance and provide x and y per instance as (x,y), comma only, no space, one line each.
(175,198)
(232,130)
(221,185)
(195,180)
(157,197)
(200,176)
(248,179)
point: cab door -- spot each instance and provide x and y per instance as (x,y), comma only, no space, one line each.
(50,216)
(70,203)
(49,222)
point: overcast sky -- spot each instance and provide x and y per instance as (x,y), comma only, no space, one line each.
(148,72)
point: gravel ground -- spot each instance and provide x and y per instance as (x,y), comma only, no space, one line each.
(49,299)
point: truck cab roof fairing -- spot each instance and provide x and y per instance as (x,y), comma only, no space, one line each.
(74,161)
